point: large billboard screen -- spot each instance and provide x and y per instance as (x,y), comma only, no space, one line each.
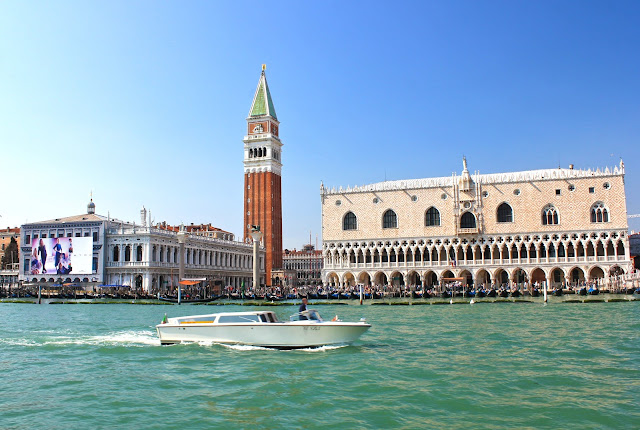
(62,256)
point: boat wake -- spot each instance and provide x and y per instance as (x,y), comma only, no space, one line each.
(123,338)
(261,348)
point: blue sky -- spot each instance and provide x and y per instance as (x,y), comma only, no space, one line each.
(144,103)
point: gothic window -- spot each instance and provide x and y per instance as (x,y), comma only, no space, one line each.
(432,217)
(599,213)
(349,222)
(505,213)
(468,220)
(549,215)
(389,219)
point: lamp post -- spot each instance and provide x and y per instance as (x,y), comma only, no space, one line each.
(256,235)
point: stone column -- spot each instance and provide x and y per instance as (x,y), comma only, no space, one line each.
(181,240)
(256,235)
(146,282)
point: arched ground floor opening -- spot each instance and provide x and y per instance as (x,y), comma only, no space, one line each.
(557,277)
(577,275)
(397,279)
(431,278)
(538,276)
(348,280)
(483,278)
(364,278)
(380,279)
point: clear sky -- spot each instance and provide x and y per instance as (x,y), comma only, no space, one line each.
(144,103)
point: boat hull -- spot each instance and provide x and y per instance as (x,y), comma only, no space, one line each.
(288,335)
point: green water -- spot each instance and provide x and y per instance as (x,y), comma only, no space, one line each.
(492,366)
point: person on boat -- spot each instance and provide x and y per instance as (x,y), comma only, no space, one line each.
(303,308)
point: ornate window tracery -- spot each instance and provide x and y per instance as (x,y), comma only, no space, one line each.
(549,215)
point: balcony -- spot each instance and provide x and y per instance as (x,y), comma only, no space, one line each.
(474,230)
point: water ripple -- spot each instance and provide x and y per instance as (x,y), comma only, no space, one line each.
(492,367)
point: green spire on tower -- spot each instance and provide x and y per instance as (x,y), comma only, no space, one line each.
(262,103)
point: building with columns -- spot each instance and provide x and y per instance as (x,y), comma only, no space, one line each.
(556,225)
(304,266)
(262,177)
(144,256)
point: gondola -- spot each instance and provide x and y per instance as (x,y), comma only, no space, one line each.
(312,296)
(344,296)
(482,293)
(516,293)
(492,293)
(446,294)
(417,294)
(503,293)
(582,291)
(175,300)
(593,291)
(557,291)
(535,293)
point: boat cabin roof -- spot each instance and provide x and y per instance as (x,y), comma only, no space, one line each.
(229,317)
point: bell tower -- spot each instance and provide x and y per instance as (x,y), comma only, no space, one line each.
(262,175)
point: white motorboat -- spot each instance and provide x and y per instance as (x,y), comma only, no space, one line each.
(261,328)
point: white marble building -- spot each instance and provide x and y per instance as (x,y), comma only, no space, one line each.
(142,256)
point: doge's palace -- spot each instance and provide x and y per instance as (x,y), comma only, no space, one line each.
(563,226)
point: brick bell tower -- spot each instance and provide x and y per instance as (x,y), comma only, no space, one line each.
(262,176)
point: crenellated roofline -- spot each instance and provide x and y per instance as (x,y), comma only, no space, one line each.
(485,179)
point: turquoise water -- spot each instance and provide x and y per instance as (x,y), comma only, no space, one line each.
(492,366)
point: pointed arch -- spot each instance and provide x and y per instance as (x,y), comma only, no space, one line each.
(505,213)
(432,217)
(550,215)
(349,221)
(599,213)
(468,220)
(389,219)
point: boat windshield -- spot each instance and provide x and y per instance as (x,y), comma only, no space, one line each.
(314,315)
(309,314)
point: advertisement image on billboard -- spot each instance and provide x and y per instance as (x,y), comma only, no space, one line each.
(62,256)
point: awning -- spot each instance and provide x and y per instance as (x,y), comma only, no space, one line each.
(189,282)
